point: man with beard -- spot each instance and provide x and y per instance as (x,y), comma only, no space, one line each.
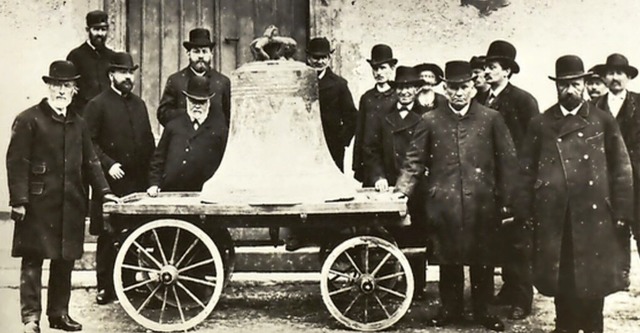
(595,85)
(337,112)
(50,156)
(200,52)
(92,59)
(122,137)
(192,144)
(427,98)
(377,100)
(469,154)
(517,107)
(577,194)
(480,81)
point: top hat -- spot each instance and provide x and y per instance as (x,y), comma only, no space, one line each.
(406,76)
(319,46)
(457,71)
(616,61)
(198,37)
(61,71)
(122,60)
(569,67)
(97,18)
(382,54)
(505,52)
(477,62)
(198,89)
(433,68)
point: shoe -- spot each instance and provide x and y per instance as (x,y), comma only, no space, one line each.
(518,313)
(32,327)
(64,323)
(103,297)
(445,318)
(491,322)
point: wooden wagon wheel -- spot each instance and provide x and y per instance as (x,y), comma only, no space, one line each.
(189,286)
(366,283)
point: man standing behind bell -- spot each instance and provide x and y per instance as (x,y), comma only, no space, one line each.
(92,59)
(377,100)
(577,193)
(191,147)
(337,112)
(427,98)
(200,52)
(480,81)
(472,163)
(50,156)
(122,138)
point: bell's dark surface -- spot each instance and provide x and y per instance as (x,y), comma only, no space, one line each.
(276,151)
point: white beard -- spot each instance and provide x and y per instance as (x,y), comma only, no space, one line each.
(59,104)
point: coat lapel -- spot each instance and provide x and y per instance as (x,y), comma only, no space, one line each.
(327,80)
(398,124)
(571,124)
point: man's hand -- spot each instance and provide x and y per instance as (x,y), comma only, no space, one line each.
(110,198)
(153,191)
(18,213)
(116,171)
(382,185)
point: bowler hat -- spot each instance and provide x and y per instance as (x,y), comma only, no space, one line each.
(433,68)
(97,18)
(477,62)
(199,37)
(504,52)
(406,76)
(122,60)
(198,88)
(457,71)
(569,67)
(616,61)
(60,71)
(382,54)
(319,46)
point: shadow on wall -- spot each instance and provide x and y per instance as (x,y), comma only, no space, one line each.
(486,7)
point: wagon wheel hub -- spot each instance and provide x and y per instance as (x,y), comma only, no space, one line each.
(367,284)
(169,275)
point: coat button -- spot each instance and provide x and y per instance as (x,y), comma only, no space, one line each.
(594,206)
(586,157)
(580,134)
(591,183)
(559,139)
(184,162)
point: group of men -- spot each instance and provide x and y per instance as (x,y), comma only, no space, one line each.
(564,227)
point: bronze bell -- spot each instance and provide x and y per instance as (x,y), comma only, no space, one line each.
(276,152)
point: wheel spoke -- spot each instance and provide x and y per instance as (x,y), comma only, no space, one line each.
(390,276)
(351,304)
(141,269)
(340,291)
(175,294)
(353,263)
(366,310)
(344,275)
(146,301)
(202,263)
(175,246)
(392,292)
(164,257)
(143,250)
(382,305)
(382,262)
(184,255)
(191,279)
(191,294)
(164,304)
(366,258)
(139,284)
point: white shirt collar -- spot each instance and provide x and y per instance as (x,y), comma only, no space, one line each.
(322,73)
(498,90)
(197,73)
(91,45)
(408,106)
(387,87)
(462,112)
(62,113)
(573,112)
(615,102)
(621,96)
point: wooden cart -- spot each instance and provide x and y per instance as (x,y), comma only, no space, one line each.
(176,255)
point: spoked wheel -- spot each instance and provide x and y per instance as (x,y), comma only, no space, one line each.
(168,275)
(367,283)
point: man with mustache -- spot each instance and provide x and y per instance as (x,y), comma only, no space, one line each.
(577,195)
(480,81)
(427,98)
(595,85)
(377,100)
(337,112)
(92,59)
(517,106)
(49,159)
(122,137)
(200,52)
(471,160)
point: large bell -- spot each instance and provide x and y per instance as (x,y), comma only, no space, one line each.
(276,152)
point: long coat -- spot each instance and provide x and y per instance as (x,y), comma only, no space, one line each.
(48,159)
(471,162)
(337,113)
(577,164)
(372,104)
(185,158)
(121,133)
(93,66)
(173,103)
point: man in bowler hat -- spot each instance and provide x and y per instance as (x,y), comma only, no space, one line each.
(50,156)
(427,98)
(92,59)
(337,112)
(577,195)
(375,101)
(200,52)
(517,106)
(471,161)
(122,137)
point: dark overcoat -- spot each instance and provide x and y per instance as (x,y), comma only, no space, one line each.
(372,103)
(472,164)
(337,113)
(577,164)
(185,158)
(93,66)
(121,133)
(173,102)
(49,157)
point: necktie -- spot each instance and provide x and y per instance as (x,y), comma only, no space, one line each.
(491,99)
